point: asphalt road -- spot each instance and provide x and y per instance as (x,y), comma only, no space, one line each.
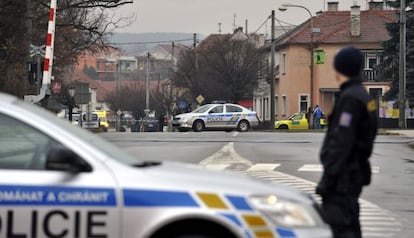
(292,158)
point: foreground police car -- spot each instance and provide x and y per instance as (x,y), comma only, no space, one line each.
(225,116)
(58,180)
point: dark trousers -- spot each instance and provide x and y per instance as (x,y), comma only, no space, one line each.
(341,212)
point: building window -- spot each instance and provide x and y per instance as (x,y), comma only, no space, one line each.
(284,105)
(371,60)
(276,103)
(303,103)
(267,106)
(284,63)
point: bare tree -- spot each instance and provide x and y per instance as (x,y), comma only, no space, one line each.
(226,69)
(80,25)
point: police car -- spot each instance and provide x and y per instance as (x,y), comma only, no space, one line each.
(224,116)
(58,180)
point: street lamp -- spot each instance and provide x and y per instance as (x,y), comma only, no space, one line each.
(283,8)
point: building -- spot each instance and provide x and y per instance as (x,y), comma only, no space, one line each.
(332,30)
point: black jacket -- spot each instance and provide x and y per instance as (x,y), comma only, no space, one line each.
(348,143)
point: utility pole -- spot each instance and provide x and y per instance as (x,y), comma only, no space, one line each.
(197,81)
(272,74)
(402,122)
(147,102)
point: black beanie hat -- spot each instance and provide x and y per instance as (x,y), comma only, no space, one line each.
(349,61)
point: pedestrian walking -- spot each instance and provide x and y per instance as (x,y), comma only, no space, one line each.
(317,116)
(347,146)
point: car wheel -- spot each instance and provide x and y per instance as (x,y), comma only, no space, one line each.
(243,126)
(283,127)
(198,126)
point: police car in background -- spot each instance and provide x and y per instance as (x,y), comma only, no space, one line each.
(58,180)
(224,116)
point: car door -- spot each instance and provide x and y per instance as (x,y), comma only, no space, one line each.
(297,121)
(215,117)
(233,115)
(38,202)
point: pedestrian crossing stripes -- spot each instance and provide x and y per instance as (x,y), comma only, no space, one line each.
(319,168)
(376,222)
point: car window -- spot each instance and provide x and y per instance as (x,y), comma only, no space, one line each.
(217,109)
(202,109)
(232,108)
(297,117)
(21,146)
(93,117)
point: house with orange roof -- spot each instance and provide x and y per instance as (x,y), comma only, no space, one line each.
(295,88)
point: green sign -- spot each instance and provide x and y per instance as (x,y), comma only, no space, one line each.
(319,56)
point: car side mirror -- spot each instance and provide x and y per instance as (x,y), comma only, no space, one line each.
(61,158)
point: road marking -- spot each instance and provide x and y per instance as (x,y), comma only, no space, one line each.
(263,167)
(225,156)
(319,168)
(311,168)
(376,222)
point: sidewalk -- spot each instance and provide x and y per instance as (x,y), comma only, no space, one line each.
(406,133)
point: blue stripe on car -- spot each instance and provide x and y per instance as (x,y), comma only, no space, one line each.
(157,198)
(239,203)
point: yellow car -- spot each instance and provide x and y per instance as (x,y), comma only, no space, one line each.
(294,122)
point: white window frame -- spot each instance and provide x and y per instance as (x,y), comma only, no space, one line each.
(300,102)
(284,63)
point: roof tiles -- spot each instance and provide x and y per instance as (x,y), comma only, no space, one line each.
(335,27)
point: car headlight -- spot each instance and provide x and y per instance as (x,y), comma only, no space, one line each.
(286,213)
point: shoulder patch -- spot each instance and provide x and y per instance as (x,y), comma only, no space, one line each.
(345,119)
(371,106)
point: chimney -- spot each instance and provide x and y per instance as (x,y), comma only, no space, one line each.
(355,20)
(333,6)
(373,5)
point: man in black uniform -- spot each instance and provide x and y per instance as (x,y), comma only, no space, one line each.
(348,144)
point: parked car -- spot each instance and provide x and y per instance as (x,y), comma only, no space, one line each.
(58,180)
(221,116)
(296,121)
(146,124)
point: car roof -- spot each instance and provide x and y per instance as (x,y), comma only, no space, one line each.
(7,98)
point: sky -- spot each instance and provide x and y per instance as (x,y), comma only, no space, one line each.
(204,16)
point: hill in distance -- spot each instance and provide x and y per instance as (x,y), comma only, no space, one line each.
(134,44)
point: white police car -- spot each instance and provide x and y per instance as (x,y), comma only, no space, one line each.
(224,116)
(58,180)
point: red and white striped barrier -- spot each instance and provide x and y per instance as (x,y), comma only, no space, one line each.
(50,40)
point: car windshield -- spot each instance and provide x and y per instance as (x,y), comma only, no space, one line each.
(296,116)
(202,109)
(102,145)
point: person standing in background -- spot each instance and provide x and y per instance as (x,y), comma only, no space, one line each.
(317,116)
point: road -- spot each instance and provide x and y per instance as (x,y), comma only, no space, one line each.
(292,159)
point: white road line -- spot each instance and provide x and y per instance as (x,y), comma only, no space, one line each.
(319,168)
(263,167)
(311,168)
